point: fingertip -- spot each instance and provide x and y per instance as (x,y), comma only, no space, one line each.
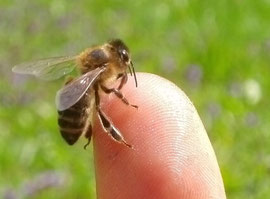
(171,156)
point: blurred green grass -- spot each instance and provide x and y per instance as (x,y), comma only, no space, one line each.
(218,52)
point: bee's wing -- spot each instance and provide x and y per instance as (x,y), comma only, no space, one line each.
(47,69)
(73,92)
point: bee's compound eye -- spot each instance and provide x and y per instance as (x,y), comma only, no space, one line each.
(124,55)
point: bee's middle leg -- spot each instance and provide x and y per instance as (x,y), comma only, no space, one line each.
(107,124)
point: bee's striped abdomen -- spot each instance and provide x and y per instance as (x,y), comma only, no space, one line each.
(72,120)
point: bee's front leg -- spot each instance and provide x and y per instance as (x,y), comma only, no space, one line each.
(118,93)
(124,79)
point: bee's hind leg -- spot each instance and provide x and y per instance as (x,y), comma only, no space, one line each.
(107,124)
(88,135)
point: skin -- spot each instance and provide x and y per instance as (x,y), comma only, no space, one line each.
(172,155)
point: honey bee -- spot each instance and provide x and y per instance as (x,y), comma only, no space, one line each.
(79,99)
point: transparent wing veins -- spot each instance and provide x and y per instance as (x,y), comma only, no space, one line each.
(47,69)
(71,93)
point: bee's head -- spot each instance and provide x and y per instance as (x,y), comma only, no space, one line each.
(123,53)
(121,50)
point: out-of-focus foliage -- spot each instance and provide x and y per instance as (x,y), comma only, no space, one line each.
(218,52)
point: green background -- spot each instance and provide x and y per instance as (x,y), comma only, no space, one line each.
(218,52)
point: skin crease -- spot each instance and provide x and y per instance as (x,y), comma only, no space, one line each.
(172,155)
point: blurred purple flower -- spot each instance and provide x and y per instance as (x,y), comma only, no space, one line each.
(251,119)
(10,194)
(214,109)
(194,74)
(168,64)
(43,181)
(235,89)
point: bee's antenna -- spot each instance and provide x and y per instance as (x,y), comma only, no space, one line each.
(133,70)
(129,68)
